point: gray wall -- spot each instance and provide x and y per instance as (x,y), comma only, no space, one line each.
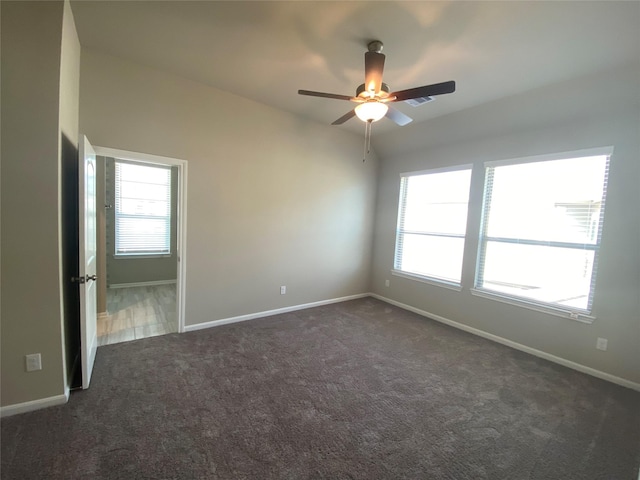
(123,270)
(40,67)
(594,111)
(69,188)
(272,199)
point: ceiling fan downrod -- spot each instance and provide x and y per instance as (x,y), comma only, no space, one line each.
(375,46)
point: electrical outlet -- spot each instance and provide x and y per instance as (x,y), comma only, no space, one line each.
(386,283)
(601,344)
(283,289)
(34,362)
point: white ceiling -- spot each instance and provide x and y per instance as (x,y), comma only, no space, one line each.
(267,50)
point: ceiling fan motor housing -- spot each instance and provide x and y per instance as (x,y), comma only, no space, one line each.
(361,89)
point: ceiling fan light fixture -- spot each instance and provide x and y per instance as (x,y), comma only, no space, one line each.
(371,111)
(373,95)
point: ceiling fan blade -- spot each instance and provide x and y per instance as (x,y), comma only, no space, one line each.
(373,68)
(398,117)
(426,91)
(324,95)
(345,117)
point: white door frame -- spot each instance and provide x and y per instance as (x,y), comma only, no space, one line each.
(181,247)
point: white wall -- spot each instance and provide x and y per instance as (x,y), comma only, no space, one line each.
(272,199)
(599,110)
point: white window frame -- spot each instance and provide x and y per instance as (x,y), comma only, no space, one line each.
(168,220)
(440,282)
(582,315)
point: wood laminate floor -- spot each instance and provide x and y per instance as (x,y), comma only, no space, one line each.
(138,312)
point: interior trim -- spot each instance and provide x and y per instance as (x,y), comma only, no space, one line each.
(268,313)
(578,316)
(32,405)
(181,247)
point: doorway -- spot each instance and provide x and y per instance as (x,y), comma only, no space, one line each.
(143,267)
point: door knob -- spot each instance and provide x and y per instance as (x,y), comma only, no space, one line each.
(91,277)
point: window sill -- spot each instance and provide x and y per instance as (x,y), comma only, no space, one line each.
(429,280)
(538,307)
(137,256)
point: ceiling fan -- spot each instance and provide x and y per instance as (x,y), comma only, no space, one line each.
(373,96)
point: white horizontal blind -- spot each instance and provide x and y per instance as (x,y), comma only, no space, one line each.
(432,222)
(542,224)
(142,209)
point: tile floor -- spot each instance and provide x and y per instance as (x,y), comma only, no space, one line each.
(138,312)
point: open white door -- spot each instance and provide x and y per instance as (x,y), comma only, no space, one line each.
(87,232)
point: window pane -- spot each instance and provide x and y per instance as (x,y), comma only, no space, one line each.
(537,272)
(129,189)
(142,235)
(542,228)
(432,222)
(554,201)
(437,202)
(437,257)
(143,208)
(143,173)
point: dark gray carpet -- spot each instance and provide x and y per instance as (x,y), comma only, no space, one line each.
(356,390)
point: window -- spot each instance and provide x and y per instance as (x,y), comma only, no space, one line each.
(142,209)
(541,229)
(432,222)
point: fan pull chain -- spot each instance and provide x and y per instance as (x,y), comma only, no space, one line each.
(367,139)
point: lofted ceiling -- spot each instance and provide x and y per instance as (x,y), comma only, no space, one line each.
(266,50)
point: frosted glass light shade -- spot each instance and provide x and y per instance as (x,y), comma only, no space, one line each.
(371,111)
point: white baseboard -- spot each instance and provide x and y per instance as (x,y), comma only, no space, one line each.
(269,313)
(142,284)
(35,404)
(64,398)
(518,346)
